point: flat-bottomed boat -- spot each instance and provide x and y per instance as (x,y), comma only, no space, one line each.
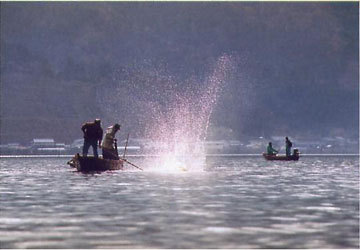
(92,164)
(294,157)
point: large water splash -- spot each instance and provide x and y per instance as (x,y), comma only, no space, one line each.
(176,119)
(182,128)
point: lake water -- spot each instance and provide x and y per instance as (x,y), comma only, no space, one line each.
(236,202)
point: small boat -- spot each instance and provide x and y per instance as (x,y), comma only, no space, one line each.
(294,157)
(92,164)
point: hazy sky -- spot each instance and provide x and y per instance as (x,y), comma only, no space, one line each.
(295,65)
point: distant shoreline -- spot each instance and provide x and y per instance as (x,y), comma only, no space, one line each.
(207,155)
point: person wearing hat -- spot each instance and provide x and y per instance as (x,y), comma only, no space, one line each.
(108,149)
(92,135)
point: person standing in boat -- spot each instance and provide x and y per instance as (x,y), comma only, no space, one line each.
(271,150)
(288,146)
(92,135)
(108,149)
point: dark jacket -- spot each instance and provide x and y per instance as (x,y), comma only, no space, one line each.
(92,131)
(288,144)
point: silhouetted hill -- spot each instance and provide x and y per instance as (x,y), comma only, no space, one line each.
(63,63)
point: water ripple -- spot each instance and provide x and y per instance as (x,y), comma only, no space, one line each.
(236,203)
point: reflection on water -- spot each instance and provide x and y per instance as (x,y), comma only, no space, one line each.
(237,202)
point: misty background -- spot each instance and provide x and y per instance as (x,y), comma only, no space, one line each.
(296,66)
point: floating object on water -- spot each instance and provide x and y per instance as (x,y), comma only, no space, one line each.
(90,163)
(182,169)
(293,157)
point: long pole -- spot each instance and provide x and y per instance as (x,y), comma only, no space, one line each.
(123,158)
(132,164)
(127,140)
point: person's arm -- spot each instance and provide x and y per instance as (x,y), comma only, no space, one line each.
(84,127)
(274,150)
(100,137)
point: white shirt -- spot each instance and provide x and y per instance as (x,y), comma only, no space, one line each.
(108,141)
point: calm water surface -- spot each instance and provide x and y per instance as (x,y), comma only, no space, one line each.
(237,202)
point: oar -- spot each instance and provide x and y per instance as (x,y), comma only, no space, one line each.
(132,164)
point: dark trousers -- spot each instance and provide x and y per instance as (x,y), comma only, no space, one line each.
(110,154)
(87,144)
(288,151)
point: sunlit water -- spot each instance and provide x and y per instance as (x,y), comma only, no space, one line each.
(236,202)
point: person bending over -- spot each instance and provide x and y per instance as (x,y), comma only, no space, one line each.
(271,150)
(108,148)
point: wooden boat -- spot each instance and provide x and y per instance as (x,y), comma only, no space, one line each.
(294,157)
(92,164)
